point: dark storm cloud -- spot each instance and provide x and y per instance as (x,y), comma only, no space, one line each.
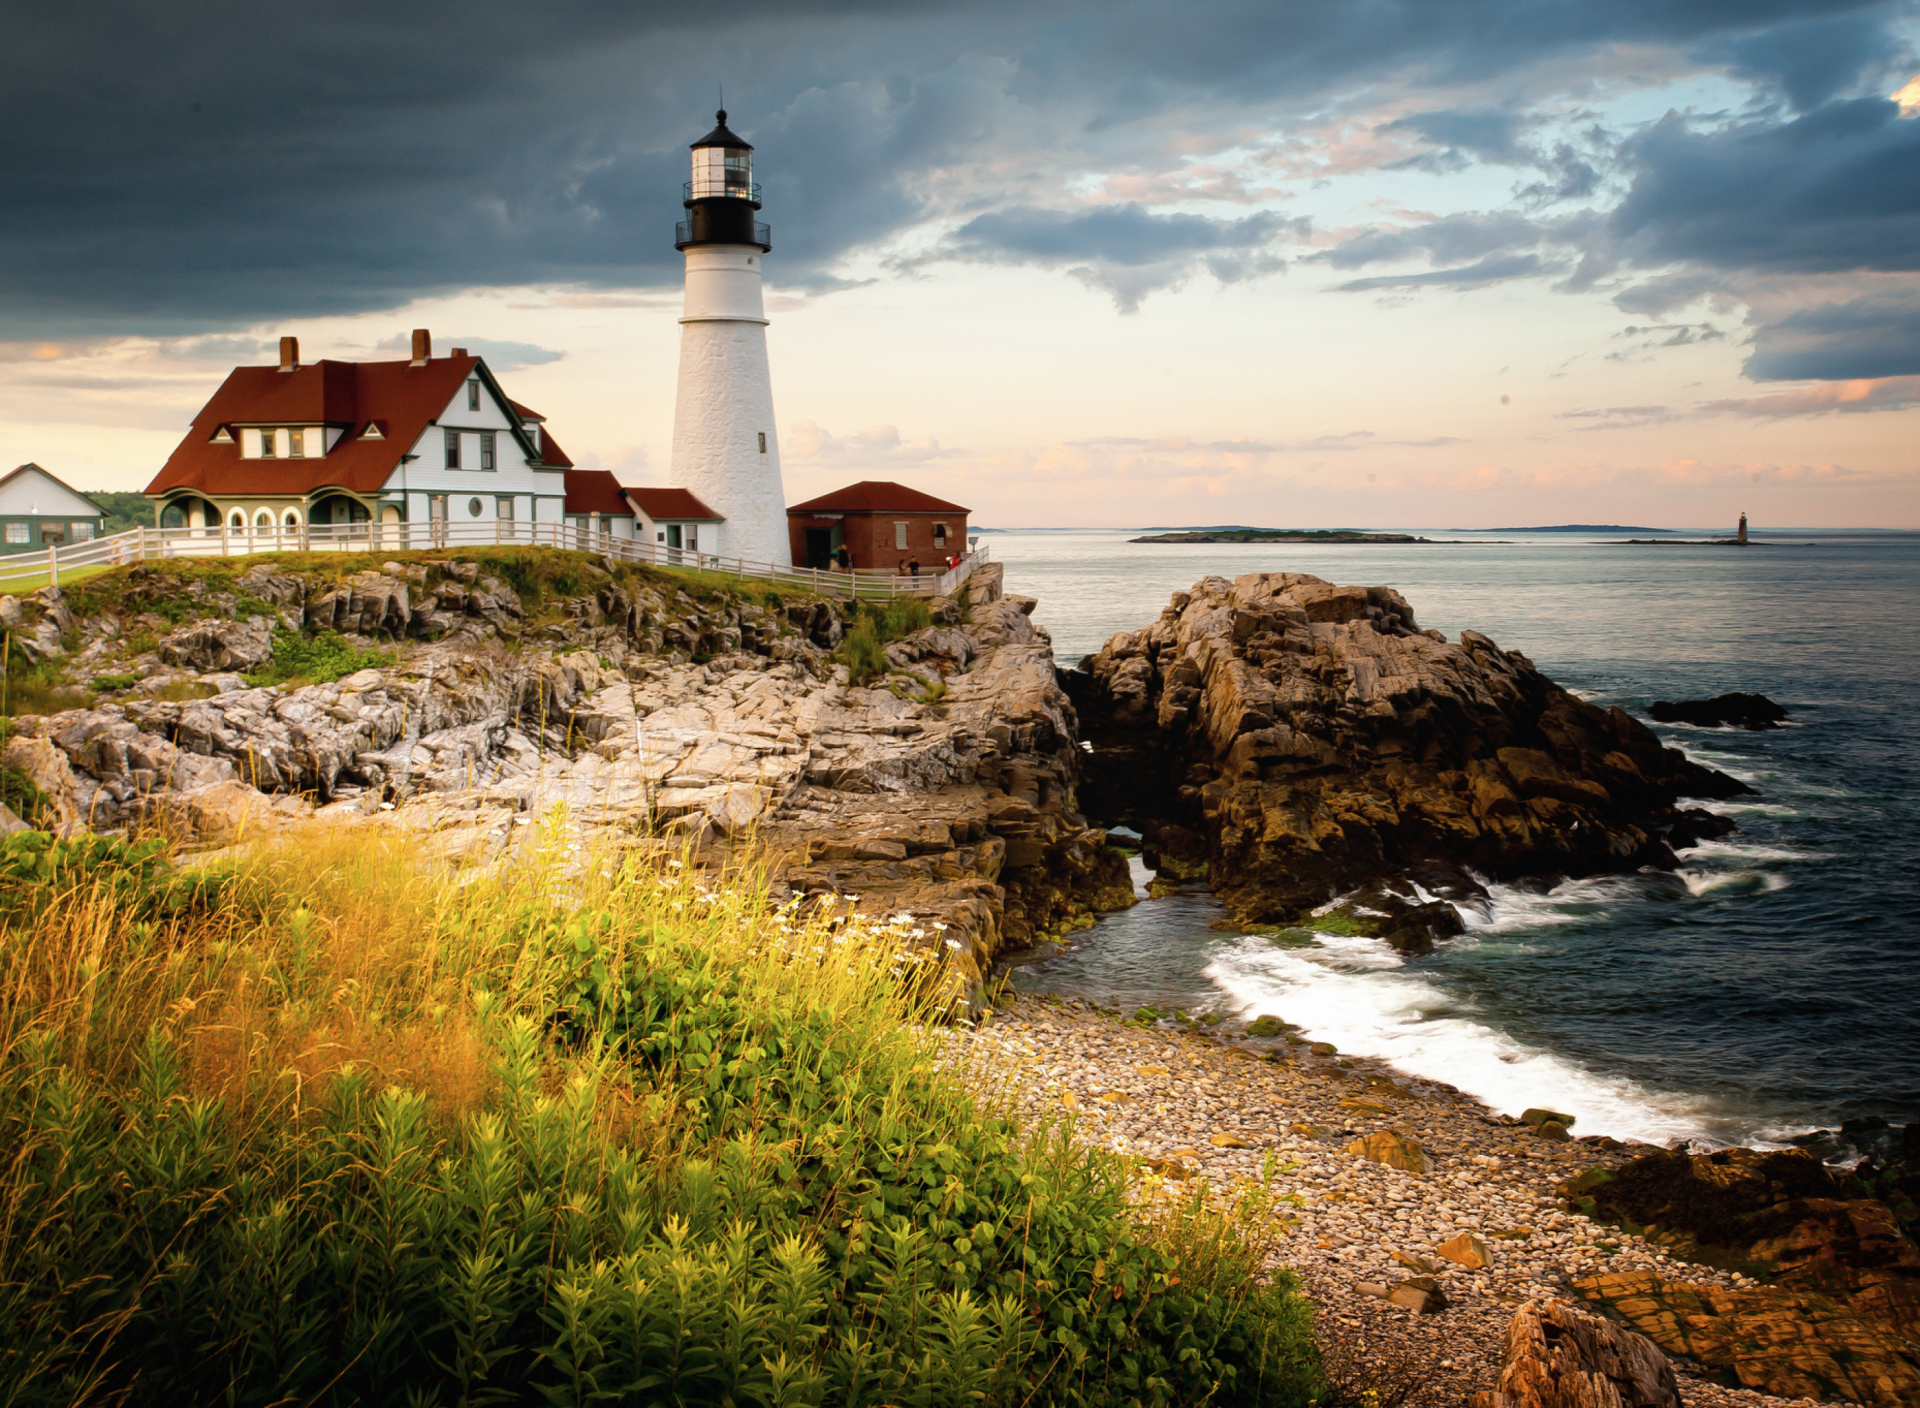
(196,166)
(1862,338)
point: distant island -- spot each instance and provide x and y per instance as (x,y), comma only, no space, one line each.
(1572,528)
(1278,535)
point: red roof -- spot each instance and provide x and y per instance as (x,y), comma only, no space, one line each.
(672,506)
(596,491)
(401,398)
(876,496)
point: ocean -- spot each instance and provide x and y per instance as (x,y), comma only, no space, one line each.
(1769,987)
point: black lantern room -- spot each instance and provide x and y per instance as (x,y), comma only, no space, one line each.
(722,198)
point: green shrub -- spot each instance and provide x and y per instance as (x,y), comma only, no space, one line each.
(316,659)
(727,1160)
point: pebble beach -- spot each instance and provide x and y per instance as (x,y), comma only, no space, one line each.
(1192,1104)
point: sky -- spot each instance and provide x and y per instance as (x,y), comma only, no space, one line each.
(1440,263)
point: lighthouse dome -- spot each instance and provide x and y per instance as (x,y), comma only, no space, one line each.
(722,165)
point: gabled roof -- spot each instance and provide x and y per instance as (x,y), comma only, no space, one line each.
(400,398)
(596,491)
(876,496)
(672,506)
(31,467)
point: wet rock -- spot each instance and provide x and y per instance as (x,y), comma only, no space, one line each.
(1748,711)
(1559,1357)
(1296,740)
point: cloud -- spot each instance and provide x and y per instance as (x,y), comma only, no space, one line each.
(1863,338)
(879,447)
(175,171)
(1833,398)
(1493,269)
(1126,250)
(501,356)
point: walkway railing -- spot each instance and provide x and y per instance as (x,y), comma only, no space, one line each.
(25,571)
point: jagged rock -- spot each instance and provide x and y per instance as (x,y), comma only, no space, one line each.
(1785,1343)
(1314,739)
(1748,711)
(1559,1357)
(219,645)
(1784,1213)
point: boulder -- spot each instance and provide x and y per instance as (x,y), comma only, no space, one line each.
(1560,1357)
(1465,1250)
(1771,1339)
(1291,740)
(1395,1150)
(1748,711)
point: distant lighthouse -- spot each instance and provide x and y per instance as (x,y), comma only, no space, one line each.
(724,447)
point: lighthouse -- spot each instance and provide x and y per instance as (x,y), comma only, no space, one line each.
(724,447)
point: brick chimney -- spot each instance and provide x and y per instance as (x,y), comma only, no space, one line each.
(289,354)
(422,347)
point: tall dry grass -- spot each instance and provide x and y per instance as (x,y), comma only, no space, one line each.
(320,1123)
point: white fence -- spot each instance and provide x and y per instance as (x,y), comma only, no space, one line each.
(27,570)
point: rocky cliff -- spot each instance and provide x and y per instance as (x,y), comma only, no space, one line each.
(1291,740)
(944,788)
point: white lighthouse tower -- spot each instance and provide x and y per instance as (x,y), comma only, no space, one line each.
(724,447)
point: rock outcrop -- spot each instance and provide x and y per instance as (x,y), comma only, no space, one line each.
(1559,1357)
(945,789)
(1292,740)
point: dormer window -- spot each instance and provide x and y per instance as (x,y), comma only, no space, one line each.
(473,394)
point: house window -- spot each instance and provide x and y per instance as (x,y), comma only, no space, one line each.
(453,448)
(503,506)
(899,535)
(486,450)
(82,532)
(763,442)
(266,444)
(475,507)
(18,533)
(473,394)
(939,535)
(296,444)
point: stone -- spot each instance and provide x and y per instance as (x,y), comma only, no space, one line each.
(1395,1150)
(1294,740)
(1736,710)
(1538,1117)
(1560,1357)
(1228,1140)
(1465,1250)
(1420,1294)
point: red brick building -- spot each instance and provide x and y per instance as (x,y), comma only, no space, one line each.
(880,525)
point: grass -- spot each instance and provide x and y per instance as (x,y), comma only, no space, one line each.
(321,658)
(321,1124)
(871,626)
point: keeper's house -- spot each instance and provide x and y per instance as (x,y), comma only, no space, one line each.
(39,511)
(880,524)
(428,439)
